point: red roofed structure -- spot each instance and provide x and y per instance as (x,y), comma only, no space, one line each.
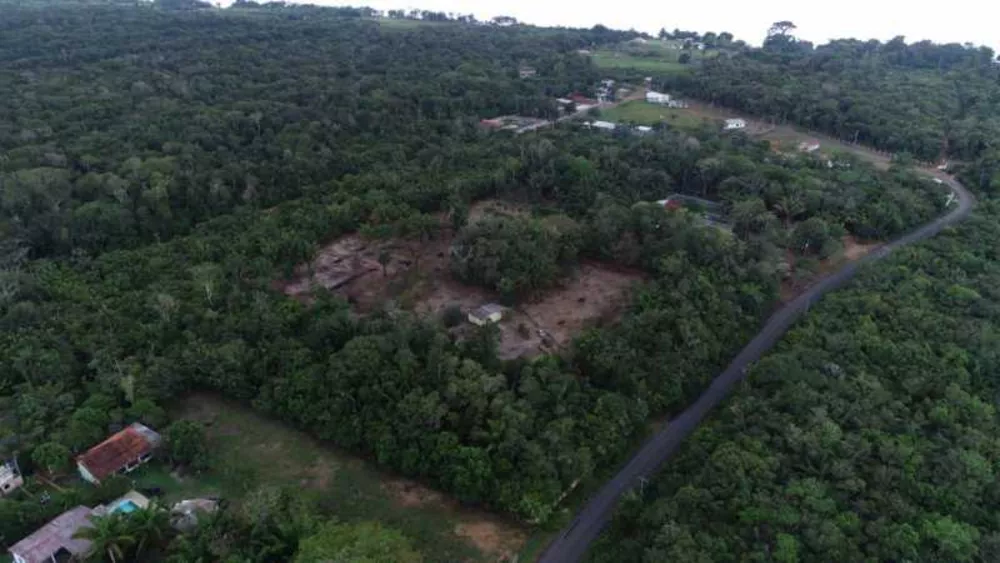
(122,452)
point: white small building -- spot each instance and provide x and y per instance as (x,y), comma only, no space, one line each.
(733,124)
(490,313)
(10,479)
(657,98)
(809,146)
(643,129)
(603,125)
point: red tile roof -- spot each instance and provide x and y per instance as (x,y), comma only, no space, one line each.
(119,450)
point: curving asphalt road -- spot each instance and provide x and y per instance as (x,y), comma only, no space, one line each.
(571,544)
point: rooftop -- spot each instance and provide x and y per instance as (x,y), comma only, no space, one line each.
(486,310)
(114,453)
(56,535)
(7,473)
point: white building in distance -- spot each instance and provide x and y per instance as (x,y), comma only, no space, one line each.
(733,124)
(657,98)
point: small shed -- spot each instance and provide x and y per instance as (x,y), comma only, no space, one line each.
(657,98)
(603,125)
(487,314)
(185,514)
(10,479)
(733,124)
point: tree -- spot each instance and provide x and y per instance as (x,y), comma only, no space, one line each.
(186,443)
(108,535)
(52,456)
(366,542)
(384,259)
(811,236)
(149,526)
(781,28)
(147,412)
(684,58)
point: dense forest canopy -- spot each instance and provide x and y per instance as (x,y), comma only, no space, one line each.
(932,101)
(162,165)
(869,434)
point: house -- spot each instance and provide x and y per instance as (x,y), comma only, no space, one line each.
(808,146)
(10,479)
(491,123)
(657,98)
(54,541)
(677,104)
(643,130)
(733,124)
(602,125)
(487,314)
(527,72)
(564,101)
(122,452)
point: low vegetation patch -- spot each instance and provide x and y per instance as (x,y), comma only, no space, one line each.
(250,451)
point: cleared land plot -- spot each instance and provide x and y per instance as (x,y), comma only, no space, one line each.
(270,453)
(418,277)
(788,136)
(618,60)
(799,281)
(645,113)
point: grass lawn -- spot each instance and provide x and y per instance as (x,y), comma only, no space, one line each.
(644,113)
(405,24)
(617,60)
(250,450)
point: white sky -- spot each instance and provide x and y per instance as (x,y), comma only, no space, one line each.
(976,21)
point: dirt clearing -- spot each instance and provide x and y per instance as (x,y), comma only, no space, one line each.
(798,281)
(416,276)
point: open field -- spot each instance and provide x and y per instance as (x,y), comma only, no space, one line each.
(645,113)
(417,277)
(654,56)
(617,60)
(252,450)
(789,136)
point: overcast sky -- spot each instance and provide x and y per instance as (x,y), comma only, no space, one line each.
(976,21)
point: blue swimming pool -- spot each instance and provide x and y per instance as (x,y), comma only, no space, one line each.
(125,506)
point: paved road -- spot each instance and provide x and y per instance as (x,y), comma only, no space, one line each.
(571,544)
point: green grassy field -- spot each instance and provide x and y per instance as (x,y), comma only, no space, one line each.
(250,451)
(644,113)
(617,60)
(654,57)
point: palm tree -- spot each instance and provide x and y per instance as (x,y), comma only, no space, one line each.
(109,535)
(148,525)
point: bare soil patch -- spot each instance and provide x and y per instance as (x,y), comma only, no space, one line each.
(416,276)
(491,538)
(852,250)
(411,493)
